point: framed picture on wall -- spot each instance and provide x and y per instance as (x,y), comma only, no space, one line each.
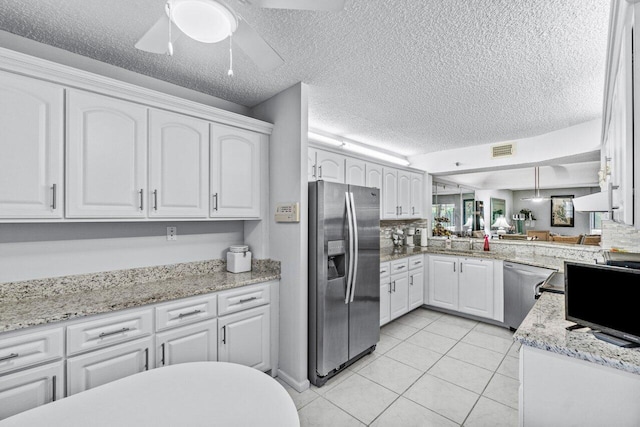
(562,211)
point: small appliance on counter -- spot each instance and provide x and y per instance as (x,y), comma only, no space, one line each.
(622,259)
(408,237)
(421,237)
(238,259)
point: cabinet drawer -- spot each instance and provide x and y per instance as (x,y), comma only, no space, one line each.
(243,298)
(385,269)
(185,312)
(29,349)
(416,261)
(399,265)
(108,331)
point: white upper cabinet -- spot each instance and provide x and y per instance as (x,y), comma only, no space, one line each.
(178,165)
(355,171)
(235,172)
(416,194)
(311,164)
(404,194)
(374,176)
(390,193)
(31,164)
(106,157)
(330,167)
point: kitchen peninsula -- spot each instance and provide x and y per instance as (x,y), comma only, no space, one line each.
(571,378)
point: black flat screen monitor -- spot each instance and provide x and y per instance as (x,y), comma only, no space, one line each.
(604,298)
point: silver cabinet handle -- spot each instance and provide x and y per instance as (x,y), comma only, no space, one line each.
(53,197)
(146,359)
(155,200)
(314,171)
(417,262)
(411,281)
(413,210)
(383,271)
(454,267)
(390,288)
(54,380)
(162,349)
(319,171)
(190,313)
(401,266)
(242,301)
(119,331)
(460,267)
(224,334)
(141,192)
(9,357)
(394,286)
(215,199)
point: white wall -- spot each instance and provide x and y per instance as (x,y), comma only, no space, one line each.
(288,242)
(35,251)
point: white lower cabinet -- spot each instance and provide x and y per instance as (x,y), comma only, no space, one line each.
(245,338)
(416,281)
(466,285)
(385,293)
(192,343)
(31,388)
(99,367)
(399,294)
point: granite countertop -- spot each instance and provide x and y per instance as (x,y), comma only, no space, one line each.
(45,301)
(392,253)
(544,328)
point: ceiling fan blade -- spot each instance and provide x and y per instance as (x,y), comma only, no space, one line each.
(299,4)
(156,39)
(255,47)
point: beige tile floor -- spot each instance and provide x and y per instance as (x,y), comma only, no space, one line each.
(429,369)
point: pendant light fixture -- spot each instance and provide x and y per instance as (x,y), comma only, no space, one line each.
(536,195)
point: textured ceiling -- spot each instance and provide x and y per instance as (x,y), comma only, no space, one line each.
(412,76)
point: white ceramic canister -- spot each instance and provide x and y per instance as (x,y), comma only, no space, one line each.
(238,259)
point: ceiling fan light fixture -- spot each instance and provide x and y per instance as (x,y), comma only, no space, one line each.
(206,21)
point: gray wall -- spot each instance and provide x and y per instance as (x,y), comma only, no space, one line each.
(288,111)
(542,210)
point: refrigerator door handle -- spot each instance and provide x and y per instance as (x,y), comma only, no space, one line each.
(351,255)
(356,248)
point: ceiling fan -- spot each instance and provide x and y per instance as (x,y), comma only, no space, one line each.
(211,21)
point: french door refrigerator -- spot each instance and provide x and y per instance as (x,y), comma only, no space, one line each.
(344,276)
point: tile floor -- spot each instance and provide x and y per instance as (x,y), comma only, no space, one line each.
(429,369)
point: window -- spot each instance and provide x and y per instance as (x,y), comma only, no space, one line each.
(595,222)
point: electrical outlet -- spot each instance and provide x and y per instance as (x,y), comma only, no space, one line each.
(172,233)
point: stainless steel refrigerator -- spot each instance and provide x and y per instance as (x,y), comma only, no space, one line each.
(344,276)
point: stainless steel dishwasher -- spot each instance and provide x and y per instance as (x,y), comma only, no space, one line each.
(520,283)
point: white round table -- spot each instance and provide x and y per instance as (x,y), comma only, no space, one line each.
(188,394)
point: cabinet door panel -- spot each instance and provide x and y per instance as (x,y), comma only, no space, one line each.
(385,300)
(178,165)
(390,194)
(102,366)
(235,172)
(244,338)
(31,388)
(374,175)
(416,195)
(416,288)
(193,343)
(399,295)
(404,194)
(31,119)
(330,166)
(443,282)
(355,172)
(476,287)
(106,157)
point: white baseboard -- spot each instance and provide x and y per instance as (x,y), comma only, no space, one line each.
(298,386)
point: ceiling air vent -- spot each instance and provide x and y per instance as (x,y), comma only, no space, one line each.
(503,150)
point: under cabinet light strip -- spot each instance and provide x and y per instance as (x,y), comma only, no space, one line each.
(357,148)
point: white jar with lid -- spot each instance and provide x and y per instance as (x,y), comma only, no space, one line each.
(238,259)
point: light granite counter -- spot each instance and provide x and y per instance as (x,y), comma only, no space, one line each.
(43,301)
(544,328)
